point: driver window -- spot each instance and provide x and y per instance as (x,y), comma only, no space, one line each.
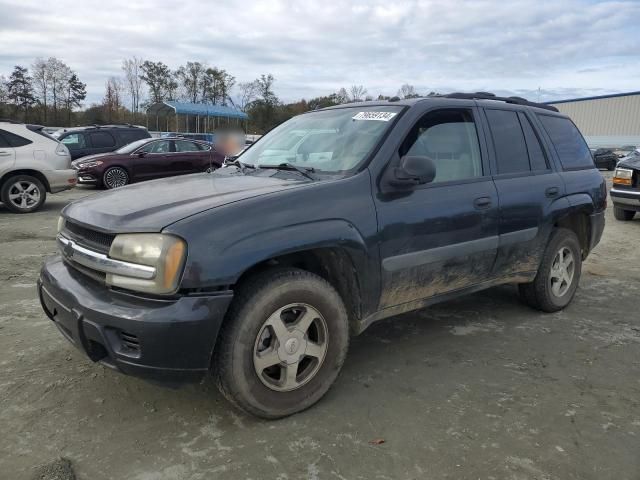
(450,139)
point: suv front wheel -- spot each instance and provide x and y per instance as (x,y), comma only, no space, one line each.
(558,276)
(23,194)
(283,343)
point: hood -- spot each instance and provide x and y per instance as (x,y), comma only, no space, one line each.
(151,206)
(630,161)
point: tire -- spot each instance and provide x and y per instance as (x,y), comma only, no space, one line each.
(623,215)
(547,292)
(23,193)
(115,177)
(248,341)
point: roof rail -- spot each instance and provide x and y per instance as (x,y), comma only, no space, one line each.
(492,96)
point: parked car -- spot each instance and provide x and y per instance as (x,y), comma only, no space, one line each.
(625,192)
(605,158)
(624,150)
(262,271)
(83,141)
(31,164)
(145,160)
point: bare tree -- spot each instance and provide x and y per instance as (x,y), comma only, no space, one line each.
(112,101)
(342,96)
(248,93)
(59,74)
(41,81)
(407,91)
(132,68)
(357,93)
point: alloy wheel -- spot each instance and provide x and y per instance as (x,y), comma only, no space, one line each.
(562,272)
(116,177)
(24,194)
(290,347)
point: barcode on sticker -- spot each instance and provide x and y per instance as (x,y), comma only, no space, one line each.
(380,116)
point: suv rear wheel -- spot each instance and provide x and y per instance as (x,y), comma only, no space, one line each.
(283,343)
(558,276)
(23,194)
(623,215)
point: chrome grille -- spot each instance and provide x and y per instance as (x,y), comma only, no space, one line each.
(87,237)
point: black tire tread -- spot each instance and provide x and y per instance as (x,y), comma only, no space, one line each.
(622,214)
(242,299)
(12,179)
(535,293)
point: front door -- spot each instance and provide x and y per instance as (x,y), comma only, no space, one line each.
(441,236)
(154,160)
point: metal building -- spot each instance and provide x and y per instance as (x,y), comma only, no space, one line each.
(607,120)
(192,117)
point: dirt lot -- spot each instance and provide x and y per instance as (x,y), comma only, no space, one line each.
(478,388)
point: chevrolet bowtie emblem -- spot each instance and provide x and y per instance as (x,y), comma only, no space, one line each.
(68,250)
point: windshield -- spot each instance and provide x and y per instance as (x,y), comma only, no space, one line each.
(132,146)
(328,141)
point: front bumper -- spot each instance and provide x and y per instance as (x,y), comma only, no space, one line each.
(60,180)
(626,199)
(165,340)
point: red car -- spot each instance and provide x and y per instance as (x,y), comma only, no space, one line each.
(147,159)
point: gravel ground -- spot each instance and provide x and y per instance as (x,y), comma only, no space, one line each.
(477,388)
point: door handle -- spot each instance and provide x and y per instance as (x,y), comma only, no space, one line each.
(5,154)
(482,203)
(552,192)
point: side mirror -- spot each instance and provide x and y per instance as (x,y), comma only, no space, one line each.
(413,170)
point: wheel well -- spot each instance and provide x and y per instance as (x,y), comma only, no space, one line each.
(579,223)
(332,264)
(33,173)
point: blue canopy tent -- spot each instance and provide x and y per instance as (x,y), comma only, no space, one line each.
(193,117)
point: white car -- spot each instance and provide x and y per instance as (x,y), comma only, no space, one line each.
(32,163)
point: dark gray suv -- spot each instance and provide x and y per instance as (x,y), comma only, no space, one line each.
(83,141)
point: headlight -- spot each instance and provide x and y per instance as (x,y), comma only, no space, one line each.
(164,252)
(622,176)
(60,223)
(94,163)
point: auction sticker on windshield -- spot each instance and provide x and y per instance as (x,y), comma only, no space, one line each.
(380,116)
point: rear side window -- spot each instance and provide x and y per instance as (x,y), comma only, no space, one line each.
(13,140)
(102,140)
(185,146)
(129,136)
(537,157)
(508,141)
(74,141)
(568,142)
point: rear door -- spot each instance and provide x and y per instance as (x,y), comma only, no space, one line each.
(441,236)
(7,154)
(527,187)
(189,158)
(102,142)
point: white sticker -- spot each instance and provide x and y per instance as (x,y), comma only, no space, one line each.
(380,116)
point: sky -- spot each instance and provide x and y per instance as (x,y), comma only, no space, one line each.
(542,50)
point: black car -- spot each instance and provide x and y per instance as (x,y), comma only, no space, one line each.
(605,158)
(261,271)
(83,141)
(625,193)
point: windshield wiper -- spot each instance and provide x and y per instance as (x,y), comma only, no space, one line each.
(290,166)
(237,163)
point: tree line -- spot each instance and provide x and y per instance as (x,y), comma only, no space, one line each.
(49,92)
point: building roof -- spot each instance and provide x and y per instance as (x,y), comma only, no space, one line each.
(600,97)
(202,109)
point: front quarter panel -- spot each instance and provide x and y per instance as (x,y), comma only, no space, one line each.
(225,242)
